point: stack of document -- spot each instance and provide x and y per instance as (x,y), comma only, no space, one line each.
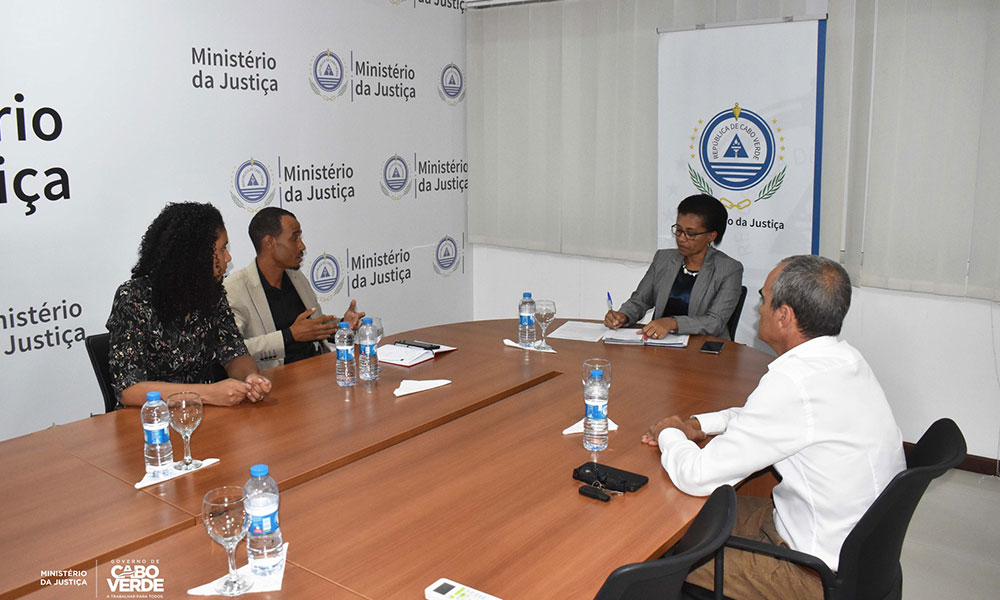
(631,336)
(407,356)
(595,332)
(580,330)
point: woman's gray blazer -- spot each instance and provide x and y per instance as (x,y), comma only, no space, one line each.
(713,298)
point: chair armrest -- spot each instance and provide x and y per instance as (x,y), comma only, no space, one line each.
(800,558)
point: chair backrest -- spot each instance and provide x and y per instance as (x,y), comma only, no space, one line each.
(98,348)
(869,559)
(662,579)
(734,319)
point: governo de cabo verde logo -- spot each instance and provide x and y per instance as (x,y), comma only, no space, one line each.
(396,180)
(327,79)
(251,184)
(737,150)
(326,276)
(451,85)
(447,256)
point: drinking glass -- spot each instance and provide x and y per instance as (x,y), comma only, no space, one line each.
(226,520)
(186,411)
(597,363)
(545,311)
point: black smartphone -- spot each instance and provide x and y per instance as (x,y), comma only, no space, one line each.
(417,344)
(712,347)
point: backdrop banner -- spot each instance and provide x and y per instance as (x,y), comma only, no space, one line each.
(740,116)
(349,114)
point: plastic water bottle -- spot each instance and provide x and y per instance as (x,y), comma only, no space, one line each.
(368,357)
(156,425)
(526,325)
(345,354)
(595,423)
(265,548)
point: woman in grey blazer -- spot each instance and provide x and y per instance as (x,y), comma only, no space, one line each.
(693,288)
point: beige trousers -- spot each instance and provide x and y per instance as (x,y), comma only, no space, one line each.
(750,576)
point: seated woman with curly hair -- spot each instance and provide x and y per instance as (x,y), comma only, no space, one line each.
(171,324)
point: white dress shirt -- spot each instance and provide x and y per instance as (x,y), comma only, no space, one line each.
(821,418)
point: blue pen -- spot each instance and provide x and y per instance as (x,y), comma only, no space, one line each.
(610,305)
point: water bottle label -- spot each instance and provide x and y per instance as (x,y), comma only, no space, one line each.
(345,353)
(263,524)
(158,433)
(368,349)
(527,320)
(597,411)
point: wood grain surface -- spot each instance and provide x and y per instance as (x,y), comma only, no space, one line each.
(383,495)
(61,513)
(488,499)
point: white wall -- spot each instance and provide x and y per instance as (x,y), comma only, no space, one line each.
(141,126)
(935,356)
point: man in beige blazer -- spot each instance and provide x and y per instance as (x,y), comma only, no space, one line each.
(276,309)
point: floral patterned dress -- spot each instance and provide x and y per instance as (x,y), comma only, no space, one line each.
(143,348)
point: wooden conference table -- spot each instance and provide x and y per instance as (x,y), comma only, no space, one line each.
(383,495)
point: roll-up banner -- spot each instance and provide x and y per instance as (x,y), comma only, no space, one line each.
(740,118)
(350,114)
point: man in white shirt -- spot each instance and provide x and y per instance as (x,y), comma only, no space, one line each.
(818,416)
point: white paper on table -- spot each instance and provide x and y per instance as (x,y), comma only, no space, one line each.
(411,386)
(624,335)
(673,340)
(148,481)
(578,330)
(404,356)
(268,583)
(578,427)
(632,336)
(514,344)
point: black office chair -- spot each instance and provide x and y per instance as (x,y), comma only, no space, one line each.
(734,319)
(869,559)
(662,579)
(98,348)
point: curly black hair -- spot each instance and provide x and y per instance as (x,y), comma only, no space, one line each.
(177,254)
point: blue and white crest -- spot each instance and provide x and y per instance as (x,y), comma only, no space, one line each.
(326,275)
(251,183)
(447,253)
(451,86)
(446,256)
(736,149)
(395,177)
(328,80)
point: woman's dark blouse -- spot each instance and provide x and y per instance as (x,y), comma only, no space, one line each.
(680,294)
(143,348)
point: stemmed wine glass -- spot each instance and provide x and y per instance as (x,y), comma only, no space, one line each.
(545,311)
(186,411)
(226,520)
(597,363)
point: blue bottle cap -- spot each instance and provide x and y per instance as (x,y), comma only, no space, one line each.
(526,295)
(366,321)
(596,374)
(258,471)
(152,396)
(344,325)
